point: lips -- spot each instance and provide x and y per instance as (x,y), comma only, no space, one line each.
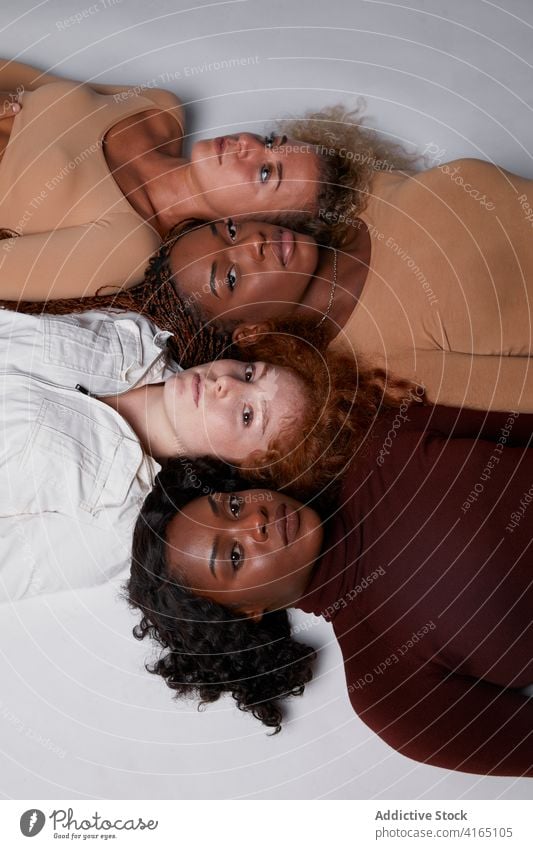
(287,524)
(195,388)
(287,244)
(277,250)
(219,144)
(280,520)
(283,248)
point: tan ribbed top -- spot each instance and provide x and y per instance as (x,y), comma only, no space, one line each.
(447,300)
(77,231)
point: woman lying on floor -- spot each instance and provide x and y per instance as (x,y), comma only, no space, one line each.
(468,340)
(92,406)
(424,567)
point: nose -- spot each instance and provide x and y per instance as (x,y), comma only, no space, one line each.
(232,145)
(247,144)
(258,524)
(224,385)
(239,145)
(256,246)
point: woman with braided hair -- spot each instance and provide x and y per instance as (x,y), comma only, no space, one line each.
(230,275)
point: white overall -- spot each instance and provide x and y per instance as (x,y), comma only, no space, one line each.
(73,473)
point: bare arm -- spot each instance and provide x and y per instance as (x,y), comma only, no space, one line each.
(17,76)
(75,261)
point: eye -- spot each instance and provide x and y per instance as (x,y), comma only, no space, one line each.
(231,229)
(269,141)
(264,173)
(231,278)
(234,504)
(237,557)
(247,415)
(249,372)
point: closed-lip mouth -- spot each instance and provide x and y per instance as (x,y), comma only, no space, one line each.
(287,522)
(292,524)
(277,249)
(287,245)
(283,247)
(196,388)
(220,143)
(281,523)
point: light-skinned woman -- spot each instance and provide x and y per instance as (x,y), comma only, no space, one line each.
(94,405)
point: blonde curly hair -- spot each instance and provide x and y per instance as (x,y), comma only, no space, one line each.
(349,153)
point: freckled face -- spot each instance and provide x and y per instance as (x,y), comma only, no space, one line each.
(229,409)
(247,270)
(246,174)
(252,550)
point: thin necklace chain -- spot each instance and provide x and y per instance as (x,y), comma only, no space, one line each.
(333,287)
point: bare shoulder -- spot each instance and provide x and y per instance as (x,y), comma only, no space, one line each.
(167,101)
(455,181)
(160,127)
(463,170)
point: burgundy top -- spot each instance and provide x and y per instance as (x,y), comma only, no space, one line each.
(427,577)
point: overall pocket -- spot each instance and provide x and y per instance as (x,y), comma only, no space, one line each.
(92,347)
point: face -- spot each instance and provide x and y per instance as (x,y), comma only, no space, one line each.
(247,174)
(228,409)
(252,551)
(243,270)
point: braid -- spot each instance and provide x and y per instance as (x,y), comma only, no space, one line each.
(193,341)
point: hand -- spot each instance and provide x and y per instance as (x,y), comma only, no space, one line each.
(9,105)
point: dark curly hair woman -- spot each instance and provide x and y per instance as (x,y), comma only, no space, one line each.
(211,650)
(428,586)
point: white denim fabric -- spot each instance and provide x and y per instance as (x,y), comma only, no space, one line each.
(73,471)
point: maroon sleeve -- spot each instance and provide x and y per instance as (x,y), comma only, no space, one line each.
(447,720)
(513,428)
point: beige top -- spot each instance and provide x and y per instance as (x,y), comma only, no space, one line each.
(447,300)
(77,231)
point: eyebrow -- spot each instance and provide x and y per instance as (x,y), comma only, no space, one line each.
(265,418)
(212,560)
(279,169)
(212,280)
(213,505)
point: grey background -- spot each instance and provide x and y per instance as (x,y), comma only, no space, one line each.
(79,716)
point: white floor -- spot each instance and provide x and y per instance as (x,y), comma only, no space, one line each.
(79,716)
